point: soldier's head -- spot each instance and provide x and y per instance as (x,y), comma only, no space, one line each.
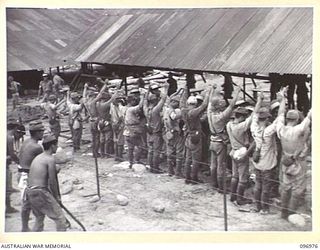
(45,76)
(174,101)
(153,99)
(292,117)
(36,130)
(10,79)
(263,116)
(52,98)
(133,100)
(12,124)
(75,97)
(199,99)
(192,102)
(240,114)
(274,108)
(50,143)
(218,104)
(155,89)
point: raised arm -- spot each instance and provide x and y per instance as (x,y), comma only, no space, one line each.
(159,106)
(229,109)
(204,104)
(184,98)
(281,96)
(39,91)
(259,103)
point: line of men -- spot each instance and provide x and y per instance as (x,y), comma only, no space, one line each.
(150,119)
(276,140)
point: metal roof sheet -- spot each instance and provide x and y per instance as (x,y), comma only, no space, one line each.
(36,36)
(261,40)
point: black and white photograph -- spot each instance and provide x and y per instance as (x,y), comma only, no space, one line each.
(159,119)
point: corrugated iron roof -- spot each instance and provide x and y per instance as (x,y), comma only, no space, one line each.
(258,40)
(36,36)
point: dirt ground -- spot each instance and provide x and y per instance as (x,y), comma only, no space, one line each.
(155,202)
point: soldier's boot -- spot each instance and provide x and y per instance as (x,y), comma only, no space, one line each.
(214,178)
(234,186)
(9,208)
(293,204)
(179,167)
(241,200)
(257,201)
(220,185)
(120,153)
(102,150)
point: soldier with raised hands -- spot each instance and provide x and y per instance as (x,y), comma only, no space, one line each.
(218,117)
(152,110)
(293,136)
(191,113)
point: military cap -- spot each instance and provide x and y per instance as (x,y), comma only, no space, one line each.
(274,104)
(48,138)
(74,95)
(263,113)
(192,100)
(52,97)
(12,121)
(36,125)
(292,114)
(199,97)
(241,110)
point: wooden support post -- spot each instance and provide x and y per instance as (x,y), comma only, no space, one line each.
(254,82)
(125,85)
(58,70)
(244,88)
(225,199)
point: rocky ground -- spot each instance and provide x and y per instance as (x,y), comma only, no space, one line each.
(137,200)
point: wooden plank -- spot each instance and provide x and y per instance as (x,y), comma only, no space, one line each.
(239,36)
(103,38)
(138,41)
(114,49)
(257,37)
(189,37)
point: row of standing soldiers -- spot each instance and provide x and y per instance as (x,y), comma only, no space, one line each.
(277,141)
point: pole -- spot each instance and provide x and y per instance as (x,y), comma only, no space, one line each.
(225,199)
(73,217)
(244,88)
(97,175)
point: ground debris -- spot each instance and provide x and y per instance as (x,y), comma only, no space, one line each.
(66,188)
(94,199)
(297,220)
(158,206)
(122,200)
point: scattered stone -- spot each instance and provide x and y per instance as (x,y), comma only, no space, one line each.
(100,222)
(94,199)
(110,175)
(137,175)
(122,200)
(76,181)
(158,206)
(85,193)
(139,168)
(124,165)
(297,220)
(66,188)
(78,187)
